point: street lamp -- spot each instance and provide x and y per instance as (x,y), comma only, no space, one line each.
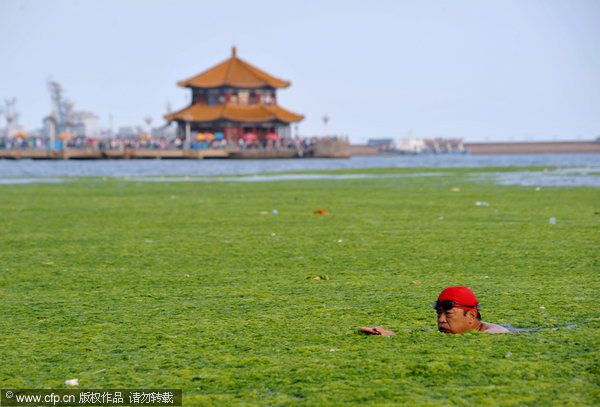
(10,117)
(325,121)
(148,120)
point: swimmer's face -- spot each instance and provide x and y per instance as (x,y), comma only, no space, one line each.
(454,320)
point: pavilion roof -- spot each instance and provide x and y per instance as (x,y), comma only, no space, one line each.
(237,113)
(236,73)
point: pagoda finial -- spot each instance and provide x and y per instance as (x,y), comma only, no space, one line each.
(233,51)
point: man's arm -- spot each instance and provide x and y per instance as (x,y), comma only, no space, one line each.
(377,330)
(494,329)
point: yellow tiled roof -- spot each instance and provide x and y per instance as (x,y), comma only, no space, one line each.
(234,72)
(237,113)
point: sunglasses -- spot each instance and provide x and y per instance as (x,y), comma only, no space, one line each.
(449,304)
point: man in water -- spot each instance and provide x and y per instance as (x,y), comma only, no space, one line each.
(457,312)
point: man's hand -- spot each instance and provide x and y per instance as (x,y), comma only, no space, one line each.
(376,330)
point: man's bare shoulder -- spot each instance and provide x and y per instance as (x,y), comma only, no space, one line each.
(494,328)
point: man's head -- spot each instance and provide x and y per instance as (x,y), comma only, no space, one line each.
(457,310)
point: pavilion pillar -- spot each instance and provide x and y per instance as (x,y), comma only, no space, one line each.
(188,141)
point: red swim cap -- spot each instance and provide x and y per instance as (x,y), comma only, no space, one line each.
(461,295)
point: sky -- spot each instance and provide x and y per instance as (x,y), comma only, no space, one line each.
(480,70)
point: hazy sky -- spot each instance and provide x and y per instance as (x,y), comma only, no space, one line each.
(479,70)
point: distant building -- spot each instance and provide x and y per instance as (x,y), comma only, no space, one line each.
(235,100)
(84,124)
(79,124)
(381,143)
(168,131)
(11,130)
(130,132)
(442,145)
(411,145)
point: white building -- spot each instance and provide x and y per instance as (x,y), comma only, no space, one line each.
(410,145)
(84,124)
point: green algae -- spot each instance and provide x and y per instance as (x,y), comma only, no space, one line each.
(201,286)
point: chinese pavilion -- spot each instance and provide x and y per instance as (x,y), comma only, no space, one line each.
(234,100)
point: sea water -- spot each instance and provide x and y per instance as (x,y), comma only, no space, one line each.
(580,169)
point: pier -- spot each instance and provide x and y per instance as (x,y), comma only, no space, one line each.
(321,149)
(324,148)
(124,154)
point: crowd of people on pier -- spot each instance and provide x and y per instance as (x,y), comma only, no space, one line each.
(300,144)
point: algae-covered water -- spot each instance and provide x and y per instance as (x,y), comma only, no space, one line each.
(120,282)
